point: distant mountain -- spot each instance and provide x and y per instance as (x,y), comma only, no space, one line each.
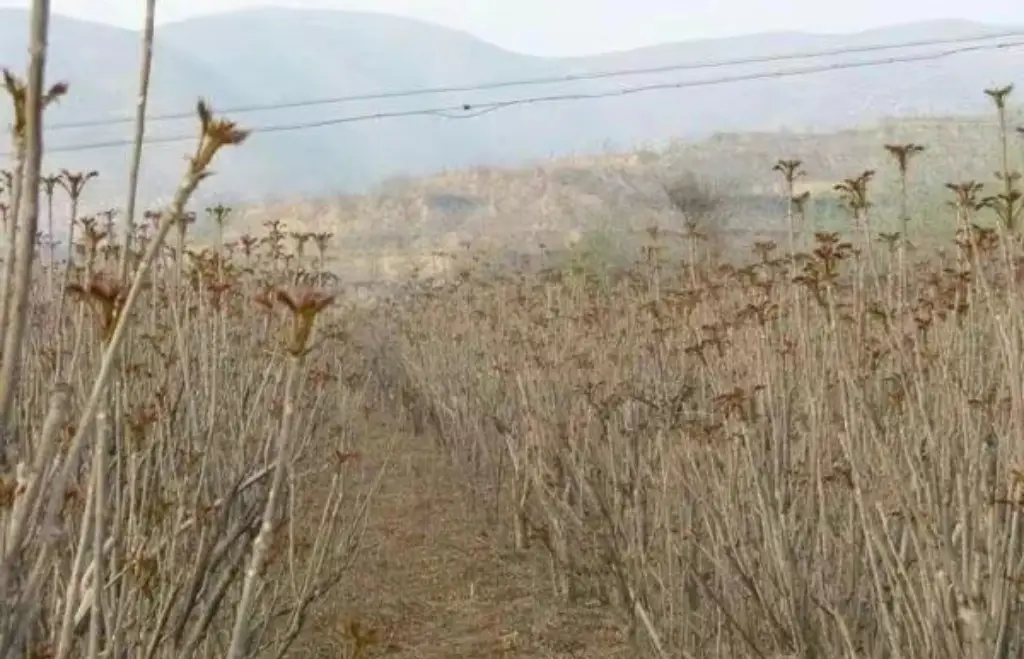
(279,56)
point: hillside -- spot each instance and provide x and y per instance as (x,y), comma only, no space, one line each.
(272,55)
(604,200)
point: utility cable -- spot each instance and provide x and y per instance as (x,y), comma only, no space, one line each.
(469,111)
(549,80)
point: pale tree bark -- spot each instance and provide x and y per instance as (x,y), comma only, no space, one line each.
(10,244)
(35,100)
(140,134)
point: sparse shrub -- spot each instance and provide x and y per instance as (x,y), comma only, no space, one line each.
(695,199)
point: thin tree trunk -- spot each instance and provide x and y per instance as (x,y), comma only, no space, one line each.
(10,246)
(25,252)
(140,134)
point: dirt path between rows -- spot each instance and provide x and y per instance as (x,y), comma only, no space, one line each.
(435,583)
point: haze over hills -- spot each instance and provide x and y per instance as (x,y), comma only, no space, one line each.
(278,56)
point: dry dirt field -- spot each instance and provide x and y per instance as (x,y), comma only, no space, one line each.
(434,581)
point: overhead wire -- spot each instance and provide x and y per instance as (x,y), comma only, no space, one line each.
(547,80)
(473,110)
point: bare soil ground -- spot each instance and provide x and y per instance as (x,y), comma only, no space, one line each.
(434,582)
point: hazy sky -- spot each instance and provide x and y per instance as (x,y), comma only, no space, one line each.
(567,27)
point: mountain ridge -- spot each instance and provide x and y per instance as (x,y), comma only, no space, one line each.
(267,55)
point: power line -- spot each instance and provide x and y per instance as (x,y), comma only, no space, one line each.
(530,82)
(469,111)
